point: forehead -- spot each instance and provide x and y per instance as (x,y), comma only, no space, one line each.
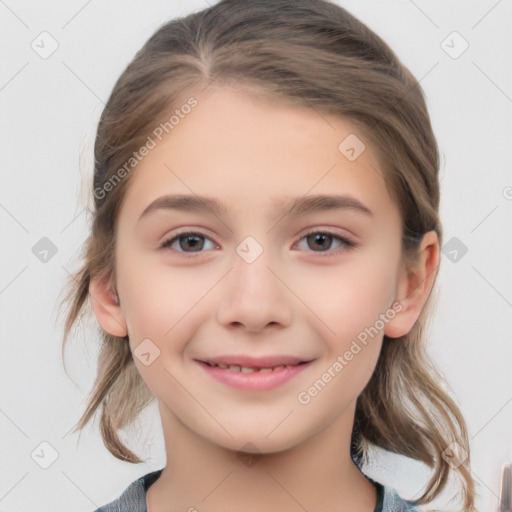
(253,151)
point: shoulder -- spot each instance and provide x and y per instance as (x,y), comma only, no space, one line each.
(388,499)
(392,502)
(133,498)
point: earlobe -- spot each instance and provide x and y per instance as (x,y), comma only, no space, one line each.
(414,286)
(106,307)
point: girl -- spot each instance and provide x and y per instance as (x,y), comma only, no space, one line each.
(264,245)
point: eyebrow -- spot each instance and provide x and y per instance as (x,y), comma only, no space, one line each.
(292,207)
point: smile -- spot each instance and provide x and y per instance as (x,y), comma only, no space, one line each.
(252,378)
(249,369)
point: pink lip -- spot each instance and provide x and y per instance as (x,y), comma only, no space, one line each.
(254,381)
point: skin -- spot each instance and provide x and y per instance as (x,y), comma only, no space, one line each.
(295,298)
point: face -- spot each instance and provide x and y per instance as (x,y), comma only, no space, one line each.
(253,278)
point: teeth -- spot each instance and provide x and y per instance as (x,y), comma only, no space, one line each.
(244,369)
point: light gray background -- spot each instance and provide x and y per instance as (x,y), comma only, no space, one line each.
(49,110)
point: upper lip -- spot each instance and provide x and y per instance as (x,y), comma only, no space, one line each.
(256,362)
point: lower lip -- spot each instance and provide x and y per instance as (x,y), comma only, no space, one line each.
(254,381)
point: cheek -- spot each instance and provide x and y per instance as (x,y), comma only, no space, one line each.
(348,297)
(353,303)
(165,306)
(155,296)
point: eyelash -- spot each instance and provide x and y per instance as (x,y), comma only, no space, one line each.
(348,244)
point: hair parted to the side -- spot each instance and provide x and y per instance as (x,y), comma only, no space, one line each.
(315,54)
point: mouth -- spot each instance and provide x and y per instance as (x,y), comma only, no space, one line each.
(254,374)
(248,364)
(251,369)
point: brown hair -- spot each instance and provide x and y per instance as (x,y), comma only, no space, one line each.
(311,53)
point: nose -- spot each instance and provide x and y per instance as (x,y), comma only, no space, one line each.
(254,296)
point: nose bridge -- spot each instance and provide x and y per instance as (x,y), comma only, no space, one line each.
(254,296)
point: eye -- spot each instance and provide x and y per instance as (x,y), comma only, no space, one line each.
(186,240)
(323,240)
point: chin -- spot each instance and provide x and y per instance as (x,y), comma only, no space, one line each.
(256,444)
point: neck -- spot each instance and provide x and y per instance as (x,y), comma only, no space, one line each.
(316,475)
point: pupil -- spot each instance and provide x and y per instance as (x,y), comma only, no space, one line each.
(319,237)
(192,240)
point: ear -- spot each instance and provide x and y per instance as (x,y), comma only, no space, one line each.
(414,286)
(106,307)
